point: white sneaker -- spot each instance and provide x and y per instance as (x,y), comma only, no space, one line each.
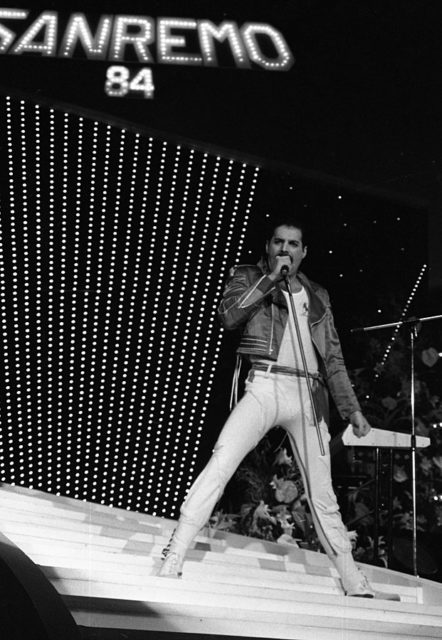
(364,590)
(172,566)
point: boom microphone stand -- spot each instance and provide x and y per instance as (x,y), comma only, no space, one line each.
(414,325)
(284,273)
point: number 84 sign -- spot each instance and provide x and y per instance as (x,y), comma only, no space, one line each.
(121,82)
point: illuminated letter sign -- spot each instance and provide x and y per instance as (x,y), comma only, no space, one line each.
(167,42)
(78,31)
(139,41)
(284,58)
(130,38)
(47,23)
(6,35)
(208,32)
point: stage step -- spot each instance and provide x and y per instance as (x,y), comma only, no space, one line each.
(103,562)
(31,531)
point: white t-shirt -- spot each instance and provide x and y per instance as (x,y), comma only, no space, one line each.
(289,352)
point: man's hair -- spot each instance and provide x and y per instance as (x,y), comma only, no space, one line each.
(287,220)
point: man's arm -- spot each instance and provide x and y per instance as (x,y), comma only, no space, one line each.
(245,290)
(339,382)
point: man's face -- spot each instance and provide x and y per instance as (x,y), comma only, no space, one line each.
(286,247)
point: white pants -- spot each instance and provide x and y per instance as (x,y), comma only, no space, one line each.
(270,400)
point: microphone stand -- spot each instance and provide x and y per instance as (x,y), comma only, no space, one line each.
(414,328)
(284,273)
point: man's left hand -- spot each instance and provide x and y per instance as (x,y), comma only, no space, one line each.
(360,424)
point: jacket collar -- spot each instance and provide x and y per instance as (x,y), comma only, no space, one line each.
(317,308)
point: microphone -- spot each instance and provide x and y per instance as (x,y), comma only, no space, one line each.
(284,270)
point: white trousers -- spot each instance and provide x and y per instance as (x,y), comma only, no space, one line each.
(270,400)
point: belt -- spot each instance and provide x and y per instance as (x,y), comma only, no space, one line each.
(287,371)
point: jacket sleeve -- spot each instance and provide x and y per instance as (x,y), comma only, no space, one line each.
(338,381)
(245,289)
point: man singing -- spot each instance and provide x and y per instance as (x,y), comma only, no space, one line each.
(255,300)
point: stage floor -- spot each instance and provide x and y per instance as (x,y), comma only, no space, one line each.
(102,563)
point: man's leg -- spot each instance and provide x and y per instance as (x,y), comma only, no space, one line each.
(316,472)
(316,469)
(247,424)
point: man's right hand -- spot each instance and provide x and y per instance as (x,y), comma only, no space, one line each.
(280,261)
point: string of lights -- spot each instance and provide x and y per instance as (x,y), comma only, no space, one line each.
(402,317)
(15,406)
(4,414)
(146,492)
(97,340)
(53,443)
(114,406)
(126,382)
(90,299)
(38,295)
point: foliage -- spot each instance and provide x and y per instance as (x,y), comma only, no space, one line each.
(273,504)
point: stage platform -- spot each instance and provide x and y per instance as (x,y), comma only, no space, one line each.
(99,563)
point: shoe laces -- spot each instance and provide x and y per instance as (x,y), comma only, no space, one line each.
(166,551)
(364,582)
(172,563)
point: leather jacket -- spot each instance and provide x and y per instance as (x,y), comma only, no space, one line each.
(253,302)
